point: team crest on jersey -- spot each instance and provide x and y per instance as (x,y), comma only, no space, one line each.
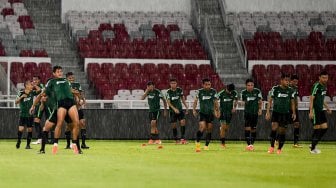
(151,96)
(175,98)
(251,98)
(282,95)
(206,97)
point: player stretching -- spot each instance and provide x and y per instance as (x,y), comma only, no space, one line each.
(296,123)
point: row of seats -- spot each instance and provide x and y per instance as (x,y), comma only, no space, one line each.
(17,33)
(133,20)
(273,46)
(282,21)
(268,76)
(135,76)
(119,44)
(25,71)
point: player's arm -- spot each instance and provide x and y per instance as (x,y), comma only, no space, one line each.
(194,106)
(311,103)
(260,107)
(293,107)
(327,107)
(184,102)
(145,94)
(19,98)
(216,108)
(36,101)
(270,102)
(172,106)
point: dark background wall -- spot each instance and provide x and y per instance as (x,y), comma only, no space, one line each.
(134,124)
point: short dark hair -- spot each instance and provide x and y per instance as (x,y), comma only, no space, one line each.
(56,67)
(173,80)
(69,74)
(324,73)
(205,80)
(283,75)
(294,77)
(230,87)
(36,76)
(248,80)
(150,83)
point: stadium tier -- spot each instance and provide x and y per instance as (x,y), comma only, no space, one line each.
(25,71)
(268,76)
(150,35)
(112,79)
(17,32)
(287,35)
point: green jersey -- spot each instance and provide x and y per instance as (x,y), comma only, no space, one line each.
(61,88)
(282,99)
(207,99)
(251,99)
(175,98)
(319,91)
(26,103)
(154,100)
(226,100)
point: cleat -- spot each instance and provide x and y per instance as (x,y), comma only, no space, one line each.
(198,147)
(206,148)
(249,148)
(157,142)
(41,152)
(160,147)
(150,141)
(315,151)
(270,150)
(223,146)
(80,152)
(279,151)
(28,147)
(67,147)
(297,146)
(54,149)
(83,146)
(75,149)
(143,145)
(38,141)
(18,144)
(183,141)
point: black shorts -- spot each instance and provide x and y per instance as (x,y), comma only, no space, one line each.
(66,103)
(225,118)
(154,115)
(26,121)
(251,120)
(81,114)
(297,116)
(282,119)
(174,117)
(319,117)
(51,115)
(208,118)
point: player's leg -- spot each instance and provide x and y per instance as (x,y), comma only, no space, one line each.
(51,120)
(222,132)
(199,134)
(20,132)
(296,125)
(68,135)
(73,114)
(253,135)
(82,125)
(247,130)
(38,129)
(183,128)
(61,113)
(29,132)
(209,127)
(320,128)
(284,121)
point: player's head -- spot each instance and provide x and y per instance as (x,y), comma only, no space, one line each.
(173,83)
(28,85)
(323,78)
(36,80)
(230,87)
(284,80)
(206,83)
(294,80)
(57,71)
(70,76)
(249,84)
(150,85)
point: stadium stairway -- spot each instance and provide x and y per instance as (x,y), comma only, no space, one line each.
(229,66)
(46,15)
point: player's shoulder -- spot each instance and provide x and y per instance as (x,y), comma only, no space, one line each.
(256,89)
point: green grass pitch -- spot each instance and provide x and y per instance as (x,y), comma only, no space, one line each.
(128,164)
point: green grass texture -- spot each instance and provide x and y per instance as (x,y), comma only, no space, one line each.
(111,163)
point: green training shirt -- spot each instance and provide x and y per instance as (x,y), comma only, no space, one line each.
(154,100)
(282,99)
(26,103)
(206,99)
(76,86)
(61,88)
(226,100)
(175,98)
(319,91)
(251,100)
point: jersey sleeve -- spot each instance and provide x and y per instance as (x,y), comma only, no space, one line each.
(271,92)
(259,95)
(314,89)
